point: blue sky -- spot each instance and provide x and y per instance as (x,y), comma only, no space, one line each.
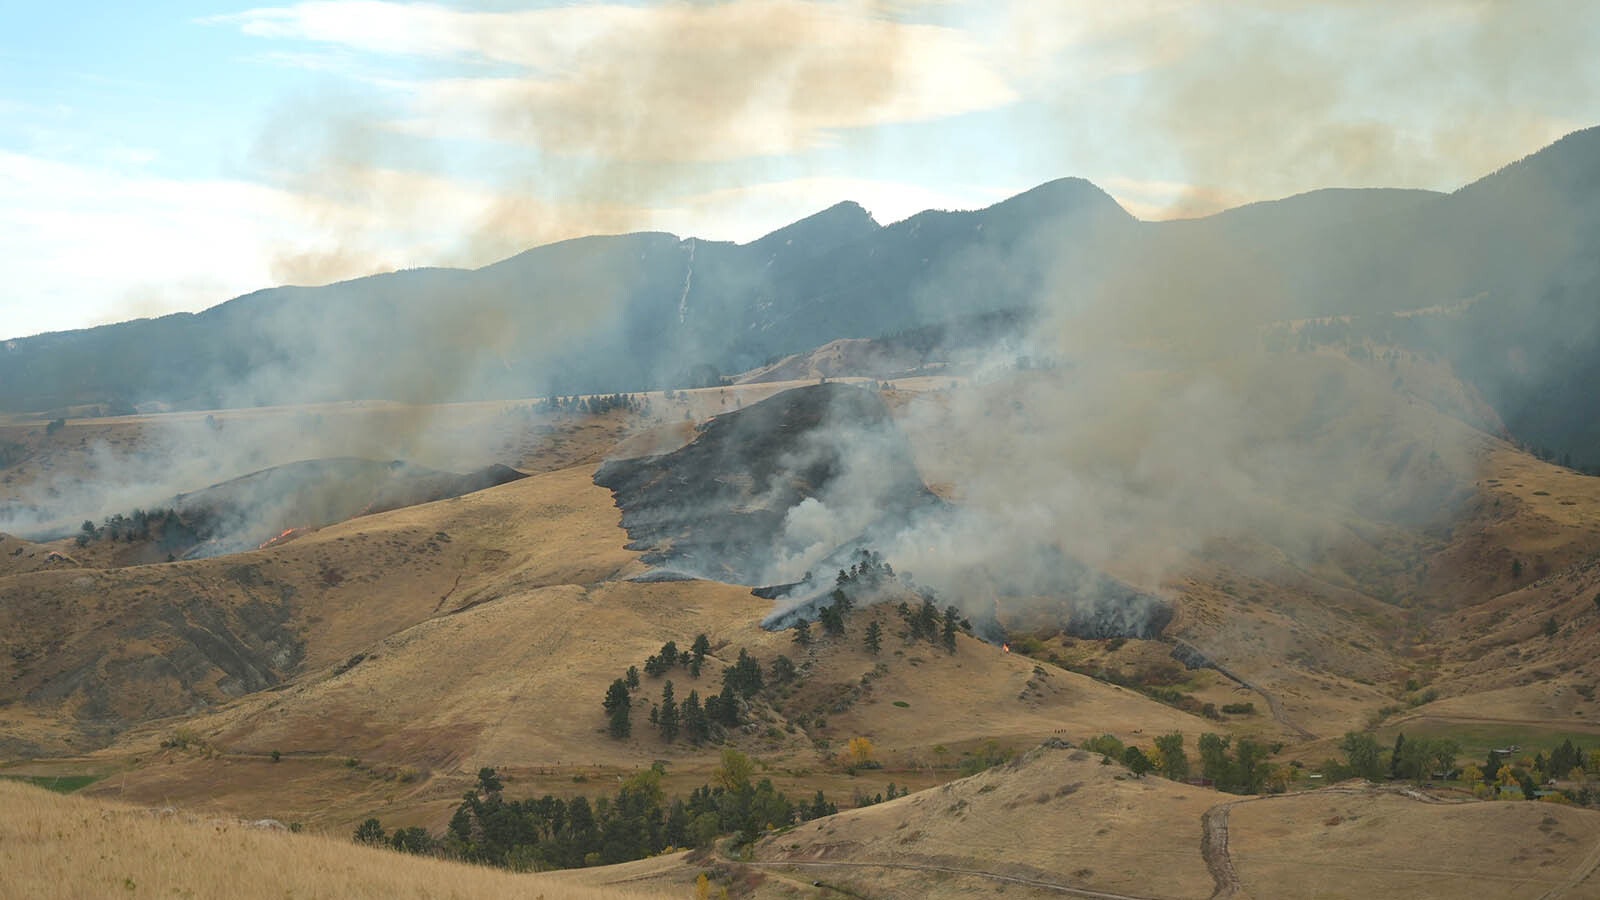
(168,156)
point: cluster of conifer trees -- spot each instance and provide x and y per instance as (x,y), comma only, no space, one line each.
(593,404)
(694,719)
(551,833)
(865,578)
(166,527)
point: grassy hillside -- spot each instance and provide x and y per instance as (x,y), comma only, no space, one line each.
(54,846)
(1060,821)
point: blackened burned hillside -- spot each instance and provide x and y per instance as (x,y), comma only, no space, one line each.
(727,505)
(783,494)
(245,512)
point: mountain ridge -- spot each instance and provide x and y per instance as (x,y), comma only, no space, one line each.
(645,310)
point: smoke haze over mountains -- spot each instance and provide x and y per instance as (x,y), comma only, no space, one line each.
(1164,389)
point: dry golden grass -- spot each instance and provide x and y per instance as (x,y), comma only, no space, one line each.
(496,649)
(53,846)
(1331,847)
(1059,816)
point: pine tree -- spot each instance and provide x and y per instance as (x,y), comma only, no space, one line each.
(925,623)
(727,706)
(952,622)
(696,726)
(783,670)
(874,639)
(802,633)
(618,707)
(701,646)
(832,621)
(632,678)
(748,674)
(667,718)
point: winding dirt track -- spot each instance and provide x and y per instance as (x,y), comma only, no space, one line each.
(1274,705)
(1214,835)
(1277,712)
(1214,848)
(952,870)
(1579,875)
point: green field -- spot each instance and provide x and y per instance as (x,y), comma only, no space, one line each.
(61,784)
(1477,738)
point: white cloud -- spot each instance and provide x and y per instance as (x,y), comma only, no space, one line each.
(92,245)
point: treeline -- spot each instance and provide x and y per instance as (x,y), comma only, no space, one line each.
(1235,768)
(592,404)
(1242,767)
(579,404)
(551,833)
(167,528)
(1506,772)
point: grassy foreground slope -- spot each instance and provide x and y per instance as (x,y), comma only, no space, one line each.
(1059,822)
(55,846)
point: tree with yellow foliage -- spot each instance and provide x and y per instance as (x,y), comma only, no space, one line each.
(1507,777)
(859,751)
(1473,776)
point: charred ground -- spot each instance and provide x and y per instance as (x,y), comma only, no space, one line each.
(718,506)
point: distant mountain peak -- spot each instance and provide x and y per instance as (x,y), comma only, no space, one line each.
(1571,163)
(1063,195)
(844,221)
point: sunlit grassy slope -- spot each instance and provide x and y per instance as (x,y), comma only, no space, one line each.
(55,846)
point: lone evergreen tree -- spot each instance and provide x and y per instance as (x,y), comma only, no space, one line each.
(747,674)
(874,638)
(667,718)
(952,622)
(696,727)
(802,633)
(832,620)
(727,706)
(619,709)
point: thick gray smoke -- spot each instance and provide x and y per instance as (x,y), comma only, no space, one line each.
(105,473)
(1140,427)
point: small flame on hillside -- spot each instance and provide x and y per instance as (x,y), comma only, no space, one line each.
(1006,647)
(283,537)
